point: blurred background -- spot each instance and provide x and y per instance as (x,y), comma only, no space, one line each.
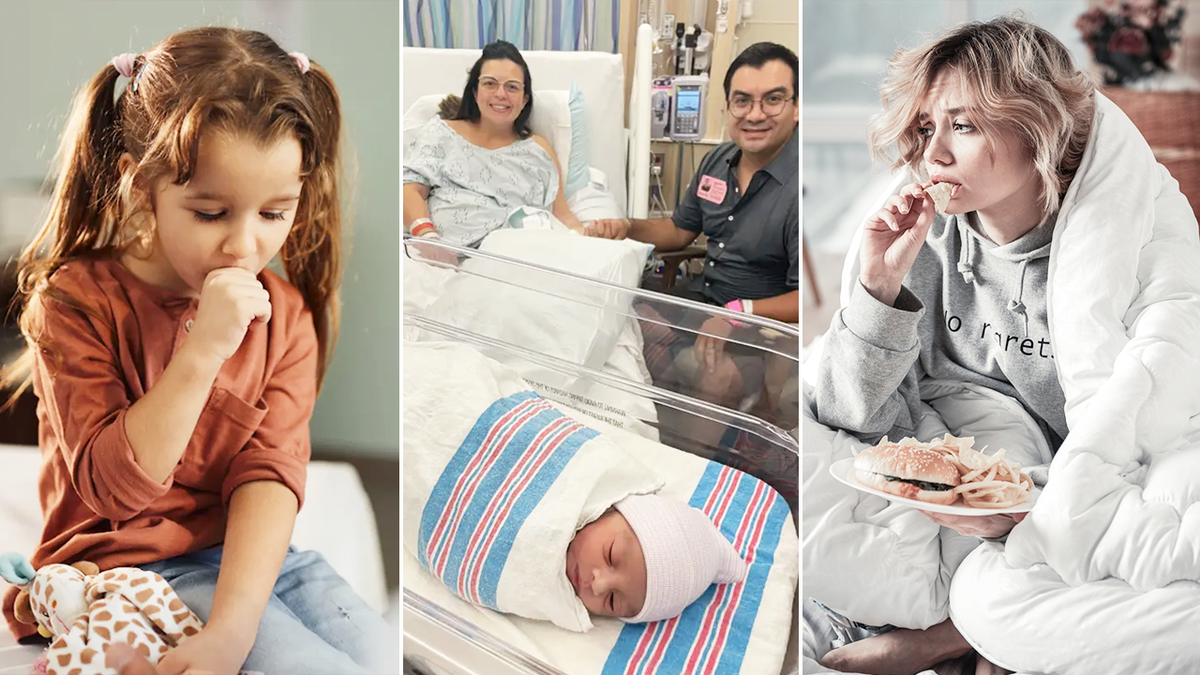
(847,44)
(51,48)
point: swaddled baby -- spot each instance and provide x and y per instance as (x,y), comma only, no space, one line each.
(648,558)
(514,506)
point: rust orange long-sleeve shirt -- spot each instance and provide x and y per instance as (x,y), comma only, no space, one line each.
(97,503)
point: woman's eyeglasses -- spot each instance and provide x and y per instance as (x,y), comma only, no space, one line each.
(771,104)
(491,84)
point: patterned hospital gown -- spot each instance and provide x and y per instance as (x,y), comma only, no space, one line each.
(473,190)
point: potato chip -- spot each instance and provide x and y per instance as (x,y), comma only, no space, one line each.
(941,195)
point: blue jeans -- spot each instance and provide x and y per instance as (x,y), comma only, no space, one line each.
(826,630)
(313,623)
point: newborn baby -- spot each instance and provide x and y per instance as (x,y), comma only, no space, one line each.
(648,558)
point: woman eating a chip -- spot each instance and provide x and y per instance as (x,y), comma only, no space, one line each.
(1020,171)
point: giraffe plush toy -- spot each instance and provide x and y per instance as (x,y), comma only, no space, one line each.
(84,610)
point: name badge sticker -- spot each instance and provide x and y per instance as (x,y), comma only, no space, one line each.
(712,189)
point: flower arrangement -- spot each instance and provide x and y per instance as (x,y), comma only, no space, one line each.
(1131,40)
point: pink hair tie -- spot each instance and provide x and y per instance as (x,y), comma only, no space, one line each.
(301,60)
(124,64)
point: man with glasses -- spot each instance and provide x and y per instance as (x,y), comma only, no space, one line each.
(745,196)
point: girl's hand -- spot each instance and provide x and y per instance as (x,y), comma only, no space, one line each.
(991,527)
(209,651)
(122,658)
(230,299)
(891,238)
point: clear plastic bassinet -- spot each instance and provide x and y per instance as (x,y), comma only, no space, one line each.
(638,371)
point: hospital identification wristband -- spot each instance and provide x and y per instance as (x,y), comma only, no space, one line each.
(743,306)
(423,227)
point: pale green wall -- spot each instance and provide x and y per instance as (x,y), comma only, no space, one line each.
(49,48)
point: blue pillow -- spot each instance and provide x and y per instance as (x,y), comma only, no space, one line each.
(577,164)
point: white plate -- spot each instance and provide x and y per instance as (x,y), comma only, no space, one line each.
(843,470)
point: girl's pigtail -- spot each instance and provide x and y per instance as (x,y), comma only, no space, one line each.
(83,206)
(313,254)
(82,210)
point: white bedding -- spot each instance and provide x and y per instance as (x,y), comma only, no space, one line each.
(1119,522)
(765,634)
(591,329)
(1104,574)
(336,520)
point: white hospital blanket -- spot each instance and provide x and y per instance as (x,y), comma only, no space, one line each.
(567,319)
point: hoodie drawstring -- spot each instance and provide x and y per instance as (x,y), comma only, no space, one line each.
(966,256)
(1016,305)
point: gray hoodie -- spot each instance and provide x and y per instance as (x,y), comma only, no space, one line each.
(969,311)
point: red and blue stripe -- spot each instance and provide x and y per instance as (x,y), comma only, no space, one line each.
(513,454)
(712,634)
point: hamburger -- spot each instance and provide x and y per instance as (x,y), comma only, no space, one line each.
(908,471)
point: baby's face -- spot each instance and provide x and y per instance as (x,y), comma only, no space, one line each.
(606,567)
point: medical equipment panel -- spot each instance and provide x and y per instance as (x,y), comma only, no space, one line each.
(660,109)
(687,107)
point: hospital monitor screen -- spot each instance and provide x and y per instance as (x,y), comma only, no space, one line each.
(688,101)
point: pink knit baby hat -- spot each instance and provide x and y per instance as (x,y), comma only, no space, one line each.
(684,551)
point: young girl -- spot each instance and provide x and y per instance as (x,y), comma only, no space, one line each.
(175,374)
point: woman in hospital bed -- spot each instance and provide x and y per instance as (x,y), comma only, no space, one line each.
(999,111)
(471,174)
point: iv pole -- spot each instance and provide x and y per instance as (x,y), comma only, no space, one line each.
(587,25)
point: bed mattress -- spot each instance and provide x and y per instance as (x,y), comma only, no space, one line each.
(336,520)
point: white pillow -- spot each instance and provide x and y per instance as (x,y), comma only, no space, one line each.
(516,563)
(593,203)
(576,323)
(551,119)
(601,313)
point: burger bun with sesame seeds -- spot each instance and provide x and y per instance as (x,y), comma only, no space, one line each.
(908,471)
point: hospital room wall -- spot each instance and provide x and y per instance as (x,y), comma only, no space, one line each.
(49,49)
(769,20)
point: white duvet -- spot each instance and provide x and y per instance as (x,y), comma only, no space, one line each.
(1102,577)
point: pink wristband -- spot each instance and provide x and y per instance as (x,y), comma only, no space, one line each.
(736,306)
